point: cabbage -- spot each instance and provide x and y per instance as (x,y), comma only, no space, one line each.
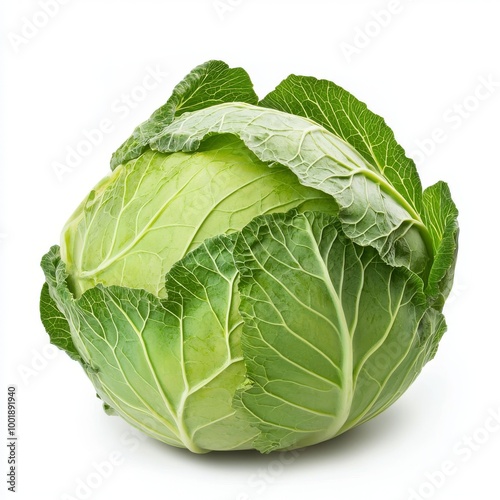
(253,274)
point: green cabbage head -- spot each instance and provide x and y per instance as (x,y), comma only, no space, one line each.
(253,273)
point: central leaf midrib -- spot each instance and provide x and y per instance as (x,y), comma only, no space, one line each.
(345,334)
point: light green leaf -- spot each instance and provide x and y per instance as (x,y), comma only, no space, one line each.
(331,332)
(149,213)
(170,367)
(211,83)
(372,211)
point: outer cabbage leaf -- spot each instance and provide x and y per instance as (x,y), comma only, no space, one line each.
(340,112)
(56,324)
(371,209)
(343,114)
(211,83)
(332,334)
(169,367)
(440,216)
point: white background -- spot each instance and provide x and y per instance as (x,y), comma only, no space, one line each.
(420,66)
